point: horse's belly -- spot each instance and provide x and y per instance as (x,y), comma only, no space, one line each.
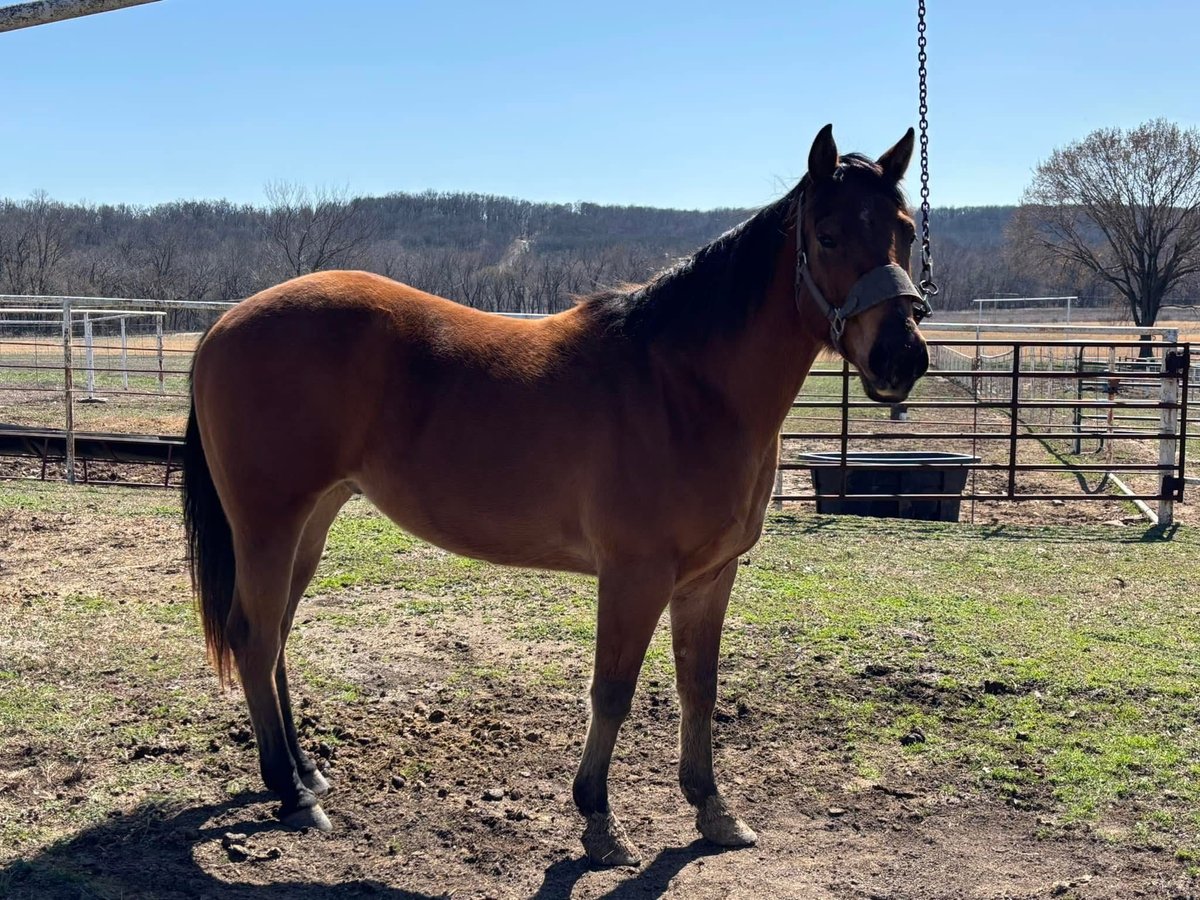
(502,522)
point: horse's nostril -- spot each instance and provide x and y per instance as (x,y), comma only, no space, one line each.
(898,360)
(922,362)
(914,365)
(899,365)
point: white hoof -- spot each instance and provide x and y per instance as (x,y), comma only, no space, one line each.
(606,842)
(718,824)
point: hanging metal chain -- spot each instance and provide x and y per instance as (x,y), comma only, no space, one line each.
(926,283)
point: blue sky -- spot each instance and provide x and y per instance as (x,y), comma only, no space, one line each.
(689,104)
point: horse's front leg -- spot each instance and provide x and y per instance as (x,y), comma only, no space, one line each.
(632,598)
(697,615)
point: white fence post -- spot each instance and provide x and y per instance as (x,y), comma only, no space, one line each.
(1114,390)
(124,357)
(158,340)
(89,357)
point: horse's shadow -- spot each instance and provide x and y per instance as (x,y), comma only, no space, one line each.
(148,853)
(650,882)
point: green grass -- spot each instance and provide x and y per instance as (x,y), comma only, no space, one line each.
(105,382)
(49,497)
(25,706)
(362,549)
(366,550)
(1062,659)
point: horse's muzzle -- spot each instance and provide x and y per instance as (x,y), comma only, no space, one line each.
(897,360)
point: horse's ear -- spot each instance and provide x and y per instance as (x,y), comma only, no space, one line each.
(895,161)
(823,157)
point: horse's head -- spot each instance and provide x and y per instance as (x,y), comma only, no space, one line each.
(854,245)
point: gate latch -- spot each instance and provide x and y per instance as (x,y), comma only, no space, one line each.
(1172,487)
(1177,361)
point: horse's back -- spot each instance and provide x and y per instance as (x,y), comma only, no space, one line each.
(436,411)
(298,369)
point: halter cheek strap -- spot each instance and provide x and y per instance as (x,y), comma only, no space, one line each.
(877,286)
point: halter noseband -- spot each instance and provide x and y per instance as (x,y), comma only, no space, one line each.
(877,286)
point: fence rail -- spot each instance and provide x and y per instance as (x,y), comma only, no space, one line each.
(95,376)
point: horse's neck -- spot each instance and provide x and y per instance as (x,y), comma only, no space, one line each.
(759,368)
(768,362)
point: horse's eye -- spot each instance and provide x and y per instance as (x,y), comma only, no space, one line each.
(826,241)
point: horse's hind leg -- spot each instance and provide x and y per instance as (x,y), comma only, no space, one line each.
(696,619)
(310,775)
(308,557)
(265,557)
(631,601)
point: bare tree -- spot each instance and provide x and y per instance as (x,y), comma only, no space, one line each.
(1124,205)
(309,231)
(33,242)
(15,249)
(46,224)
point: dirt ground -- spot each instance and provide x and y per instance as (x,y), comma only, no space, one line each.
(453,786)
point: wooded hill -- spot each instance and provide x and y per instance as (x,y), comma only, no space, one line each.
(492,252)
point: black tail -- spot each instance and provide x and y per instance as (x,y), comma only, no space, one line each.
(210,548)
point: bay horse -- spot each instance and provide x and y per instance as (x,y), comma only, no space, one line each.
(633,437)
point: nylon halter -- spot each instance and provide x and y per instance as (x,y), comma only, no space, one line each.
(883,283)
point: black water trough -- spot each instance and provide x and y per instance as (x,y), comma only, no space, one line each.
(895,472)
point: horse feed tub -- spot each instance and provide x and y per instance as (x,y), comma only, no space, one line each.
(896,472)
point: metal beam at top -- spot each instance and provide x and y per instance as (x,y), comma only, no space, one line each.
(43,12)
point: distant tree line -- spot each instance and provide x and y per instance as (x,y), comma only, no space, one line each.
(494,253)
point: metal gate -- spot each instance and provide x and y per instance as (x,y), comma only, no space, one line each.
(1030,414)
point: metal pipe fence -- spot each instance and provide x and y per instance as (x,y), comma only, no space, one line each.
(1033,419)
(98,370)
(1038,416)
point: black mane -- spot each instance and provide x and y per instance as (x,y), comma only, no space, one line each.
(719,287)
(715,289)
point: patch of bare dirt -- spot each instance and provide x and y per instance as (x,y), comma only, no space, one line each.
(452,768)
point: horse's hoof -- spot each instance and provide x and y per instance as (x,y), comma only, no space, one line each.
(606,842)
(308,817)
(315,782)
(715,821)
